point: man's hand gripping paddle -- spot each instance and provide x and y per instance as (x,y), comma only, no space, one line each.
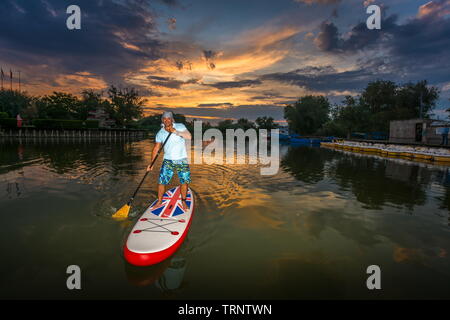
(122,213)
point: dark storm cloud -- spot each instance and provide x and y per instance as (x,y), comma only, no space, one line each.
(415,50)
(115,37)
(318,1)
(209,56)
(186,65)
(172,23)
(327,39)
(423,39)
(360,36)
(325,78)
(170,82)
(272,95)
(225,104)
(170,3)
(234,84)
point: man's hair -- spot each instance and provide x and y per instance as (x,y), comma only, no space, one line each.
(167,114)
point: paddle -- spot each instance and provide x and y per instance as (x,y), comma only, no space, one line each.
(122,213)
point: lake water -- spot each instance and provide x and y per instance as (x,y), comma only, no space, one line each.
(308,232)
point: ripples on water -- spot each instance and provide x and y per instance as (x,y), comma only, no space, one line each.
(316,224)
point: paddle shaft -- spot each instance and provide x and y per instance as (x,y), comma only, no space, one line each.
(142,181)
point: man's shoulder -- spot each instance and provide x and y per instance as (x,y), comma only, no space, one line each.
(160,135)
(160,132)
(179,126)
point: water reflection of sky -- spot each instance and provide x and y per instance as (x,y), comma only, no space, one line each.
(315,224)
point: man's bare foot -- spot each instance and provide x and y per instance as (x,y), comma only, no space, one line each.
(157,204)
(184,204)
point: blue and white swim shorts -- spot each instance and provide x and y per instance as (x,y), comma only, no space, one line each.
(169,166)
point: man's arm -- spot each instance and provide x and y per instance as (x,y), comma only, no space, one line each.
(154,153)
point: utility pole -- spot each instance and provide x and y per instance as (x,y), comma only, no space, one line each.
(19,80)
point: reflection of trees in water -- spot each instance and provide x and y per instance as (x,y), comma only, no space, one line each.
(66,158)
(373,181)
(72,156)
(443,178)
(306,163)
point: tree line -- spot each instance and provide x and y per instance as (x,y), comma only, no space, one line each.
(370,111)
(124,106)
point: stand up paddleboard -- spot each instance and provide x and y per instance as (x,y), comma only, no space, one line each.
(160,231)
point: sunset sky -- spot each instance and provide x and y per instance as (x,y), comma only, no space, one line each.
(226,59)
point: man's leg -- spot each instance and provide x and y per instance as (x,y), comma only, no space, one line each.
(184,174)
(161,190)
(165,175)
(184,189)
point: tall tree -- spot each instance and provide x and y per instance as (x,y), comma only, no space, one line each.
(266,123)
(58,105)
(14,102)
(308,114)
(126,103)
(416,100)
(225,124)
(379,96)
(245,124)
(351,116)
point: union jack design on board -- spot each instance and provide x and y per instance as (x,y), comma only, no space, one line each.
(171,204)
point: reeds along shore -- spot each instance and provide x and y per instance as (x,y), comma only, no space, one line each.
(437,154)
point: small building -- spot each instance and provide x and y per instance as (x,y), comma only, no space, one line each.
(103,119)
(417,131)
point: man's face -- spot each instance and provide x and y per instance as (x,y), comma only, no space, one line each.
(167,122)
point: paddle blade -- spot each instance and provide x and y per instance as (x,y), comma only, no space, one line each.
(122,213)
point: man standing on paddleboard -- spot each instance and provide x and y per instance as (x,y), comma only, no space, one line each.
(175,156)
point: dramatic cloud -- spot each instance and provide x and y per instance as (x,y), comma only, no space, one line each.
(434,9)
(172,23)
(325,79)
(209,56)
(359,38)
(318,1)
(170,3)
(115,38)
(225,104)
(235,84)
(415,50)
(368,2)
(183,65)
(212,63)
(328,37)
(169,82)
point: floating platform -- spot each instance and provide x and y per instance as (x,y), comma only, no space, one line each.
(419,153)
